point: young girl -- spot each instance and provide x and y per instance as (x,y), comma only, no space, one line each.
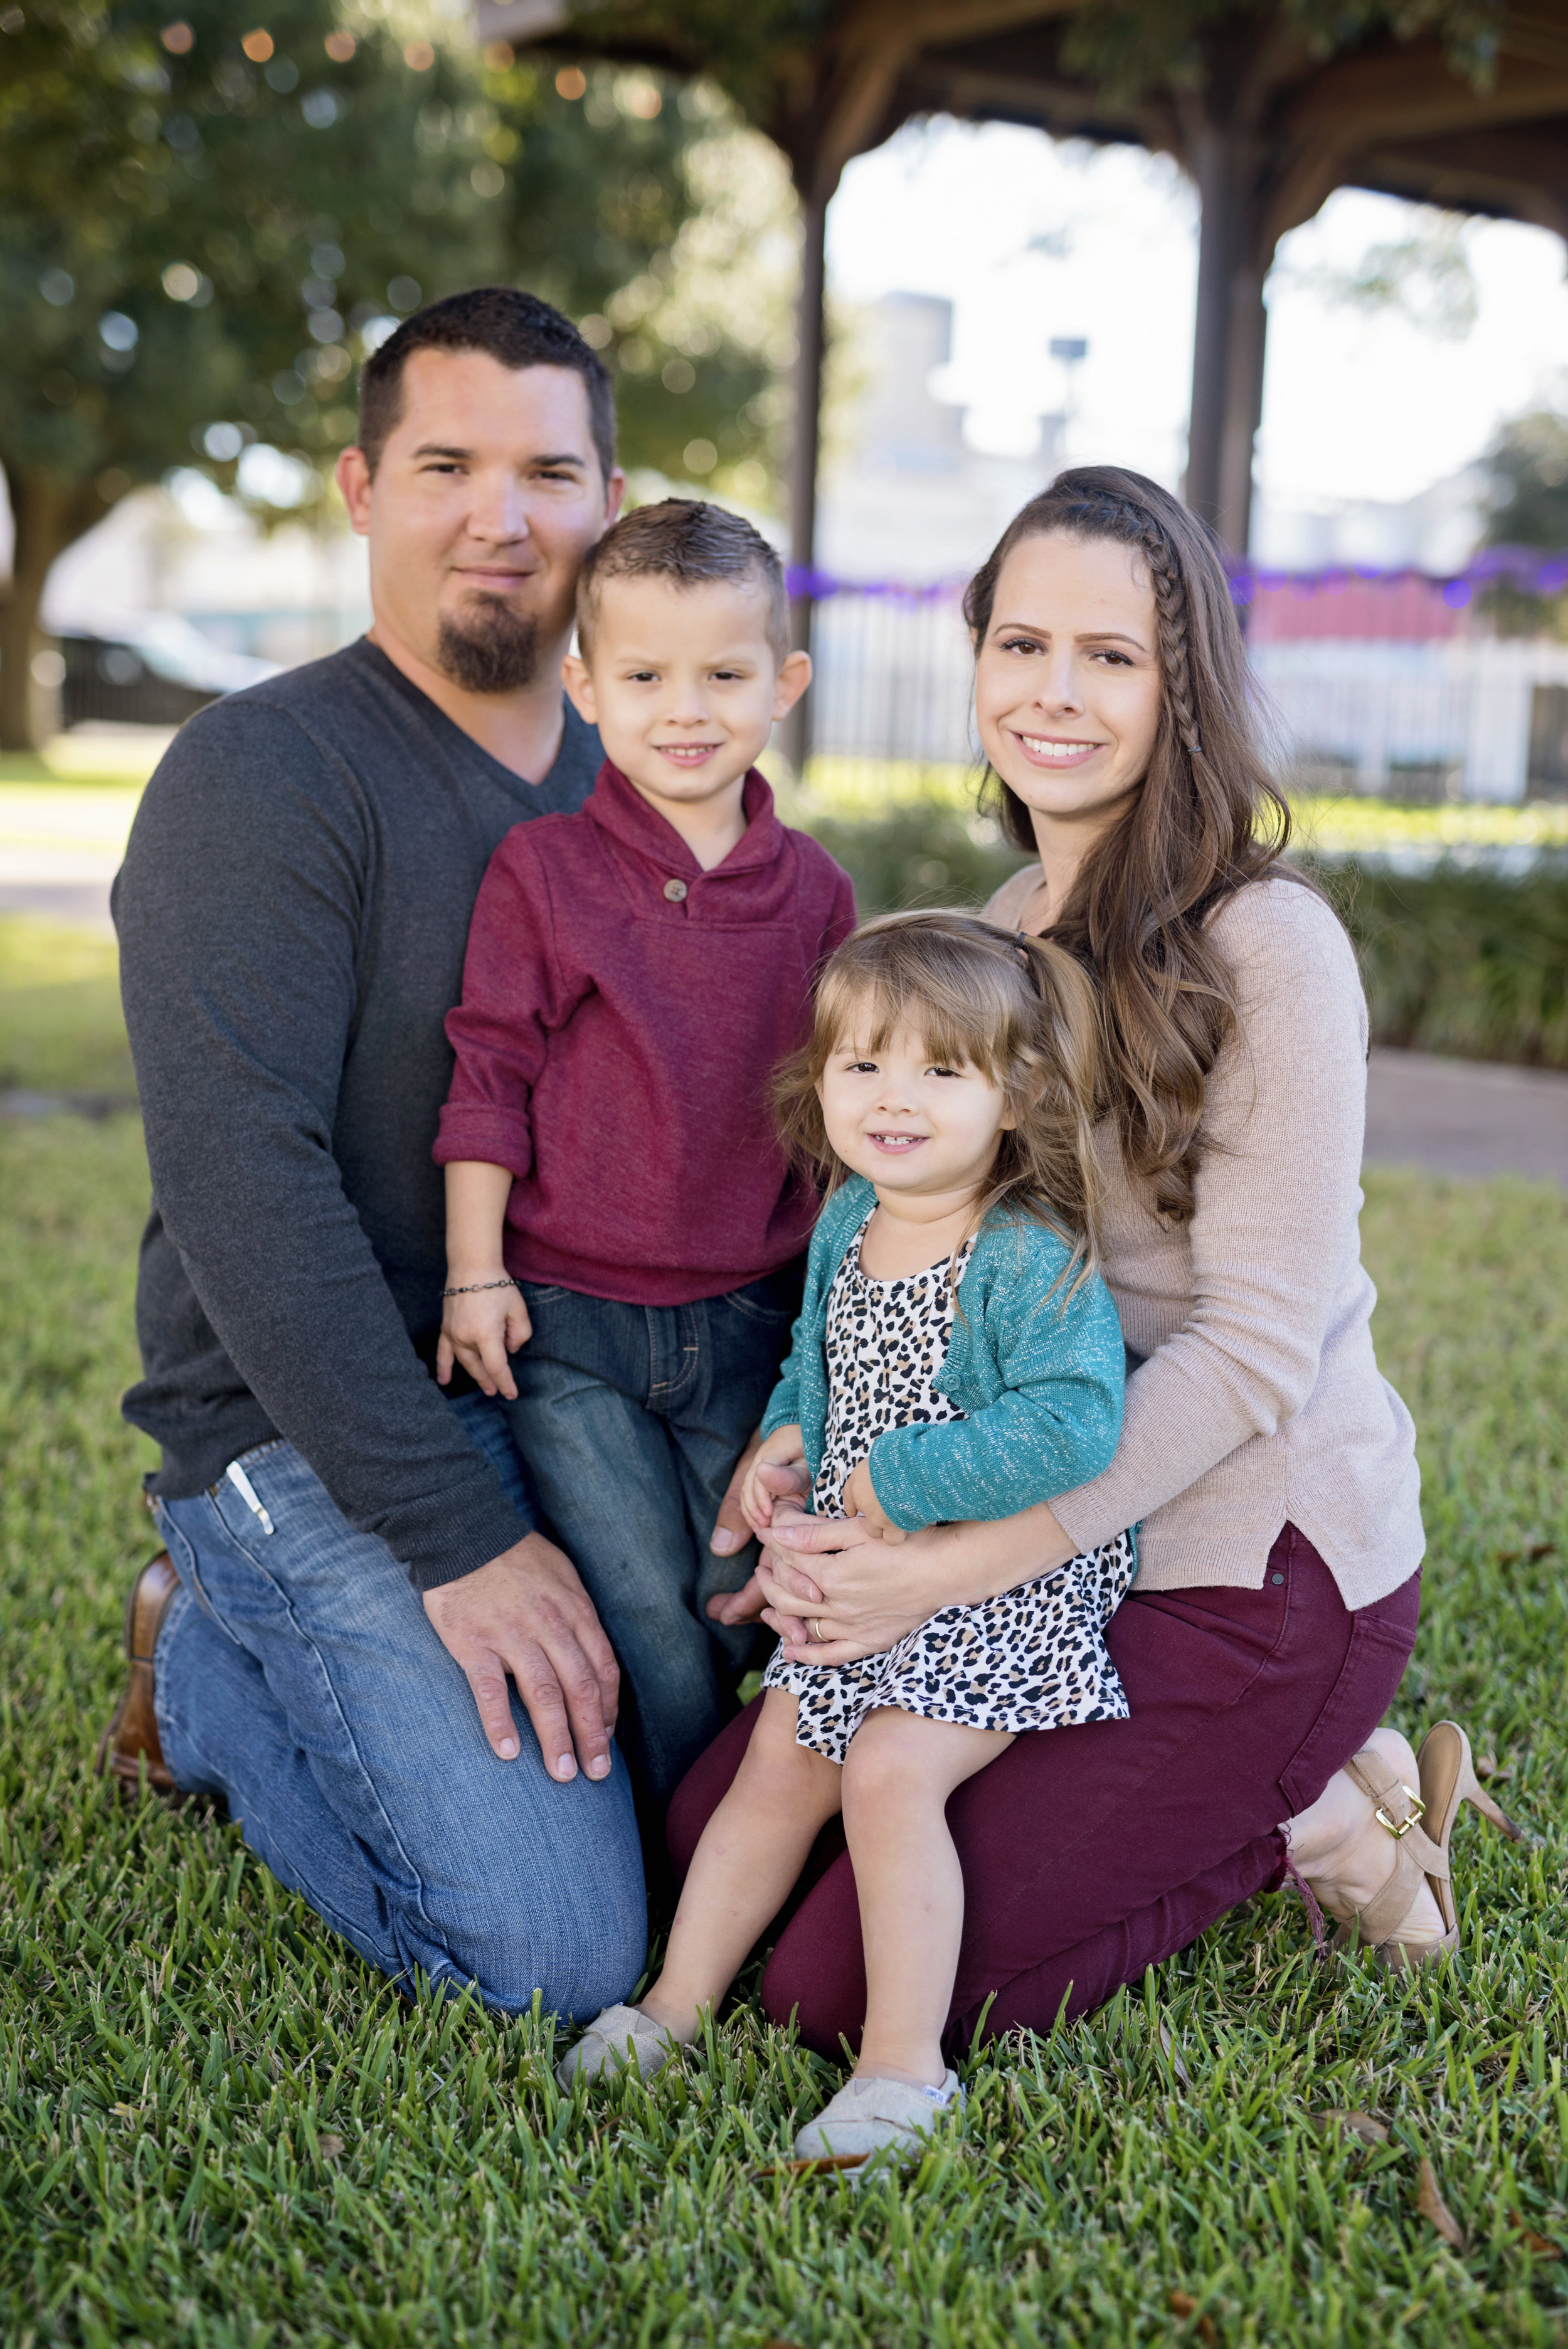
(957,1357)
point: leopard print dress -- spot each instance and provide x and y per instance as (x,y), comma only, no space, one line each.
(1034,1658)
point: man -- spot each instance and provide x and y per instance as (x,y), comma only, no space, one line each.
(349,1549)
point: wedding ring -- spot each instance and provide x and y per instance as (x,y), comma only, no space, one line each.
(817,1631)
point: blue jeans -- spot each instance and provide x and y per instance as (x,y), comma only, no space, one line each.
(298,1675)
(632,1418)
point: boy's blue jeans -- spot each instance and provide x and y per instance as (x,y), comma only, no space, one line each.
(298,1675)
(632,1418)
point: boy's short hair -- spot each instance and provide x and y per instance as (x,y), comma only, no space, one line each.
(515,328)
(688,541)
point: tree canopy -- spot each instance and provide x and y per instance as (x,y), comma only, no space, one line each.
(203,229)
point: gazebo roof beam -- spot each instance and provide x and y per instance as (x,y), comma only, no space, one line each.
(875,40)
(1414,92)
(1504,174)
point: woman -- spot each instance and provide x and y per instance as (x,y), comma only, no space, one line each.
(1271,1469)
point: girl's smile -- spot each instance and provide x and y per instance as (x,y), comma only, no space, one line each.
(924,1132)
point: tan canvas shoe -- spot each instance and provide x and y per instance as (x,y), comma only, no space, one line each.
(131,1738)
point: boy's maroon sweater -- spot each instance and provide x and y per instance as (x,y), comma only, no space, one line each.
(623,1011)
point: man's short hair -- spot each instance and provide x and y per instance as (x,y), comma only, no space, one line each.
(689,541)
(516,328)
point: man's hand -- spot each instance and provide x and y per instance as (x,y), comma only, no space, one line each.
(860,1500)
(526,1613)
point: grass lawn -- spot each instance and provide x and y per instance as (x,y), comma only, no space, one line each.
(220,2128)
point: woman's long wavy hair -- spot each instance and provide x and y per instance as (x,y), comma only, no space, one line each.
(1019,1009)
(1208,818)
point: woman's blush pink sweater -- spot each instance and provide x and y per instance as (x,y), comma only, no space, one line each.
(623,1011)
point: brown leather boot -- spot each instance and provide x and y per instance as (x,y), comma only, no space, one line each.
(131,1738)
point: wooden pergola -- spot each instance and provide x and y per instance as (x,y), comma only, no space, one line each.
(1265,128)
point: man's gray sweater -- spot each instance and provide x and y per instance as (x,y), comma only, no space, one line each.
(292,912)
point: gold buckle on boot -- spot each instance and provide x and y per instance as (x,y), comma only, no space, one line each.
(1417,1815)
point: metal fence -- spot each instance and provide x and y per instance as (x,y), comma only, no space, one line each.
(893,676)
(1474,717)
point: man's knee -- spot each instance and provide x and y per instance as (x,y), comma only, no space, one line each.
(574,1966)
(562,1915)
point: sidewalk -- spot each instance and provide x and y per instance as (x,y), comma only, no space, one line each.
(1466,1117)
(61,847)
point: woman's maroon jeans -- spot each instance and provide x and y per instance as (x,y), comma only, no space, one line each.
(1091,1853)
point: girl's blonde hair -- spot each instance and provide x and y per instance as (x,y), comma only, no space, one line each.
(1019,1009)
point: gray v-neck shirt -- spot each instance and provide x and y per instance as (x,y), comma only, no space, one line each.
(292,912)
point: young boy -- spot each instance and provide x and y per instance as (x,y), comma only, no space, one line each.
(621,1227)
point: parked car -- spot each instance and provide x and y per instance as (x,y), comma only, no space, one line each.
(159,674)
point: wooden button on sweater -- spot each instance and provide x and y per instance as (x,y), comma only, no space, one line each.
(676,891)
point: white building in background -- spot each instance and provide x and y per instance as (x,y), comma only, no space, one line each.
(1436,532)
(1476,717)
(906,504)
(904,496)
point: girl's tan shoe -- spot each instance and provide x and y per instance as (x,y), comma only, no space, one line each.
(1421,1823)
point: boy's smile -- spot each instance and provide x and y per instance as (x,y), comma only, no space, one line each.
(684,685)
(689,754)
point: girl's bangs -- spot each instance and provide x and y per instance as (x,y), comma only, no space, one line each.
(959,1026)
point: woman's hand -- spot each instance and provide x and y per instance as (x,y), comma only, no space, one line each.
(842,1571)
(833,1575)
(481,1331)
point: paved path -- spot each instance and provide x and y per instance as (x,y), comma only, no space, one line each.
(60,847)
(1466,1117)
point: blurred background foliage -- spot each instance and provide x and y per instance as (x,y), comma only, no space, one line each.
(203,229)
(1526,470)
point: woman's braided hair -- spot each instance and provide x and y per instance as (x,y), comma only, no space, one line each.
(1209,819)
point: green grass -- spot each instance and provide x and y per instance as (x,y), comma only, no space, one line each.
(125,754)
(219,2128)
(61,1024)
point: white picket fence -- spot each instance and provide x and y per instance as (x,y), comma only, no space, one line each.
(1470,718)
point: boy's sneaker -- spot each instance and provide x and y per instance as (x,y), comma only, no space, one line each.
(619,2039)
(872,2116)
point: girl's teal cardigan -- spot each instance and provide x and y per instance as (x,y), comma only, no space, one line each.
(1038,1377)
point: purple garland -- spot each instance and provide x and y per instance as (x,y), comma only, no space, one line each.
(1525,568)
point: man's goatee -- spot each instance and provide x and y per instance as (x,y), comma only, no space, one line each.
(491,650)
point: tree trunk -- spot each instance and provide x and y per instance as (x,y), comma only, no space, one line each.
(49,514)
(1228,340)
(806,447)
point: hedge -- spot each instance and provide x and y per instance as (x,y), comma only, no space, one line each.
(1455,961)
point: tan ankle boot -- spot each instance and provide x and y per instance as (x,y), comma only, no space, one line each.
(1421,1825)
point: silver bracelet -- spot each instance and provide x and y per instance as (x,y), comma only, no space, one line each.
(474,1288)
